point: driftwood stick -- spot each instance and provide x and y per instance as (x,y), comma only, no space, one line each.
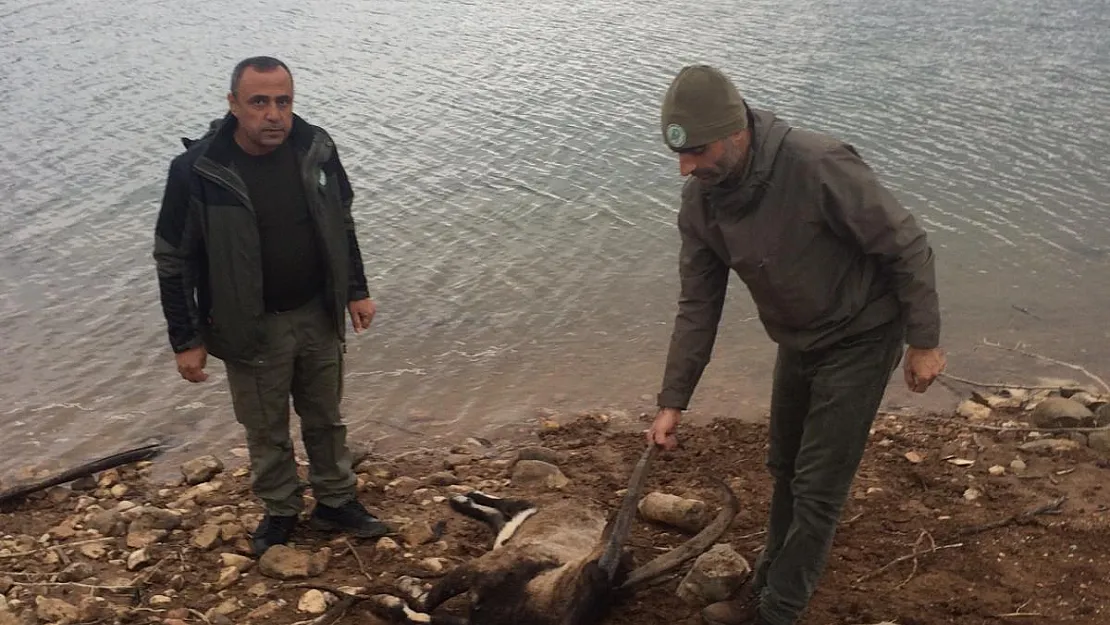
(1024,387)
(1069,365)
(145,452)
(1052,507)
(912,556)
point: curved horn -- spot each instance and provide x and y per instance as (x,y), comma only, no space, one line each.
(610,557)
(690,549)
(459,580)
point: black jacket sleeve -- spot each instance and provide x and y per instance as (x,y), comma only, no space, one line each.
(356,283)
(177,249)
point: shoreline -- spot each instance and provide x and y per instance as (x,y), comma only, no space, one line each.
(970,477)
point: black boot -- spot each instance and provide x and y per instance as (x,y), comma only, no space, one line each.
(272,530)
(351,518)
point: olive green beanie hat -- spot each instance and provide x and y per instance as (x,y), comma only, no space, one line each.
(701,106)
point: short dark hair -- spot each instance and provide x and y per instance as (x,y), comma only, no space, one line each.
(260,63)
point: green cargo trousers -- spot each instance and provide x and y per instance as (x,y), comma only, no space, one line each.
(302,357)
(823,404)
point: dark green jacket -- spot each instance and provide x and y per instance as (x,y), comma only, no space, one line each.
(824,249)
(207,247)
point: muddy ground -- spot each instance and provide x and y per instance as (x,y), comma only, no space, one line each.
(925,482)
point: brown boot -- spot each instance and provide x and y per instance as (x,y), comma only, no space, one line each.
(743,609)
(734,612)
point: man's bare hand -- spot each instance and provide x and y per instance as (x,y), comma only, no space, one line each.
(191,363)
(662,431)
(922,367)
(362,313)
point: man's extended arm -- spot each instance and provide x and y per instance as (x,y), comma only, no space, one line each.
(704,279)
(176,243)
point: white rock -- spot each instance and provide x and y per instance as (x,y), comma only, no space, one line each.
(313,602)
(997,470)
(138,558)
(716,575)
(158,601)
(973,410)
(687,514)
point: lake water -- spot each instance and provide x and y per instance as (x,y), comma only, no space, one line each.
(514,201)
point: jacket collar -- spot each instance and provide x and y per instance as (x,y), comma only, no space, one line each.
(742,192)
(222,147)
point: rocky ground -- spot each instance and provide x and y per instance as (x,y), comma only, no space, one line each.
(970,518)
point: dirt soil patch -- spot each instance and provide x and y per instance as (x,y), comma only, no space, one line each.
(930,486)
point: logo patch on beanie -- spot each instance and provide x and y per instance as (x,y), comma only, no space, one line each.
(676,135)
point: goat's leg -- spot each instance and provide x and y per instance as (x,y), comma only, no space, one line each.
(395,610)
(465,505)
(508,507)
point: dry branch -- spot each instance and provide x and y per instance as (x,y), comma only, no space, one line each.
(23,554)
(120,589)
(1069,365)
(358,559)
(913,556)
(1024,387)
(1048,508)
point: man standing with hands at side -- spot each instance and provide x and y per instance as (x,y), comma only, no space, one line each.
(258,265)
(842,277)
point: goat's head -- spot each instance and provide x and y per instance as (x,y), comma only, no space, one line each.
(564,569)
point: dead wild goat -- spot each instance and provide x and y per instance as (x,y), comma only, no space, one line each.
(561,564)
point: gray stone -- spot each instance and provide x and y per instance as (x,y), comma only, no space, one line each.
(1102,416)
(76,572)
(716,575)
(107,523)
(543,454)
(539,473)
(1099,441)
(203,469)
(1058,412)
(150,517)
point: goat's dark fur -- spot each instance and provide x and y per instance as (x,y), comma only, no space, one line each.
(546,566)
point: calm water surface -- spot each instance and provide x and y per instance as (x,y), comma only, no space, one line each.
(514,201)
